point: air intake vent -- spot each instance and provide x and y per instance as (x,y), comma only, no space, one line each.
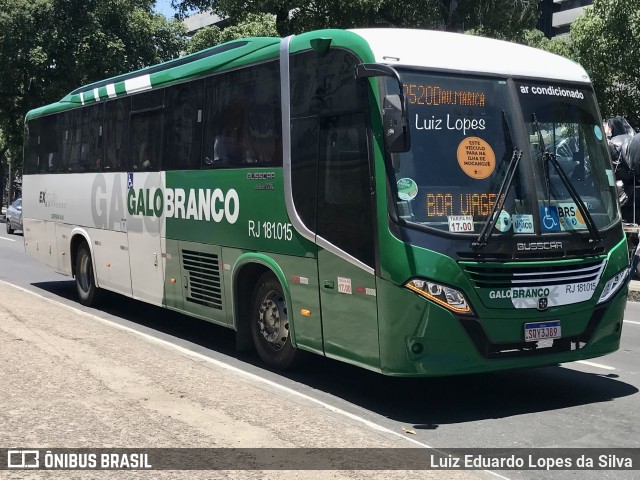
(204,284)
(522,276)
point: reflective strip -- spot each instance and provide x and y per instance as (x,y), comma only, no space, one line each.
(137,84)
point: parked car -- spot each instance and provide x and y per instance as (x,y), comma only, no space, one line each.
(635,264)
(14,216)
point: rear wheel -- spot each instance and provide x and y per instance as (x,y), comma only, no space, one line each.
(88,293)
(9,229)
(270,324)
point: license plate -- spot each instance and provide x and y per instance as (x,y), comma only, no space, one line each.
(542,331)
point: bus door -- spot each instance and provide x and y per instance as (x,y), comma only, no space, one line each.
(346,252)
(145,205)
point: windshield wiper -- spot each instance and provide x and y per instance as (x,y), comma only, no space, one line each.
(544,156)
(486,232)
(548,157)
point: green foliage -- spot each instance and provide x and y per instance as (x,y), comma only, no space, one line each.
(506,20)
(49,47)
(606,41)
(253,25)
(503,18)
(558,45)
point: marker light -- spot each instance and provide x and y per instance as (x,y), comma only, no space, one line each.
(447,297)
(613,285)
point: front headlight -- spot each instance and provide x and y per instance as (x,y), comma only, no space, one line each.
(613,285)
(447,297)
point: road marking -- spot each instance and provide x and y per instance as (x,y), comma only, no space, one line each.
(631,321)
(8,239)
(237,371)
(597,365)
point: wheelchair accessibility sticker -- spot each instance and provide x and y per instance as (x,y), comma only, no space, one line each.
(549,220)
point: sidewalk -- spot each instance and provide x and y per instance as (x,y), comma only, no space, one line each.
(634,291)
(70,379)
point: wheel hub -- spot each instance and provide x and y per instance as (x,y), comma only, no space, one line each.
(273,320)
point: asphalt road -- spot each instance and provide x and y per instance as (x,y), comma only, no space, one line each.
(582,404)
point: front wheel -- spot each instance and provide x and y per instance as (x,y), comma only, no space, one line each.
(270,324)
(9,229)
(88,293)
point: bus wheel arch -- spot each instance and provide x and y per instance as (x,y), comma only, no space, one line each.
(262,301)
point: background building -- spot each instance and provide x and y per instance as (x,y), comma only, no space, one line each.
(558,15)
(200,20)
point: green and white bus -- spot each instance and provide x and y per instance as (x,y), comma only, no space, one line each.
(417,203)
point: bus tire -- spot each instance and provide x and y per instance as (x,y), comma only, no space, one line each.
(88,292)
(270,324)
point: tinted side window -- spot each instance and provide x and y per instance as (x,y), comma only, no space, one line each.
(325,84)
(116,132)
(31,147)
(51,145)
(183,126)
(345,215)
(243,118)
(92,136)
(76,150)
(145,131)
(304,170)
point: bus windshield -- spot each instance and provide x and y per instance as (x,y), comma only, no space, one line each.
(464,136)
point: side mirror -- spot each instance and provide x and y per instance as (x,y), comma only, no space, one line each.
(394,120)
(394,108)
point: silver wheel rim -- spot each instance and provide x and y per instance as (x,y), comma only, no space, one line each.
(273,320)
(84,270)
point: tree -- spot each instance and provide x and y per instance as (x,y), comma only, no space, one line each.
(605,41)
(50,47)
(253,25)
(503,17)
(559,45)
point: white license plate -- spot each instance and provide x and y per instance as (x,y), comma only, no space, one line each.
(542,331)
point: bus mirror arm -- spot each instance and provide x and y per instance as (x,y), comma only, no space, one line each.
(394,108)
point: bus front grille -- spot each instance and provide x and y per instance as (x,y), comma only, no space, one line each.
(522,275)
(204,283)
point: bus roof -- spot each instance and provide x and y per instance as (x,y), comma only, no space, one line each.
(394,46)
(467,53)
(226,55)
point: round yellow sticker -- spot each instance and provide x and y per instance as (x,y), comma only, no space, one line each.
(476,158)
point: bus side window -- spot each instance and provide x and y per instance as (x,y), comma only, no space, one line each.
(146,129)
(243,119)
(115,135)
(345,215)
(183,126)
(31,153)
(49,149)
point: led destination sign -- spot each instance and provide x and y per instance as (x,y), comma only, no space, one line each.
(434,95)
(444,204)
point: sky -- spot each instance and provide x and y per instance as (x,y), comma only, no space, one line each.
(164,7)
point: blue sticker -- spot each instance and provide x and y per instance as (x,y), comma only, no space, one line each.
(129,180)
(549,220)
(598,131)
